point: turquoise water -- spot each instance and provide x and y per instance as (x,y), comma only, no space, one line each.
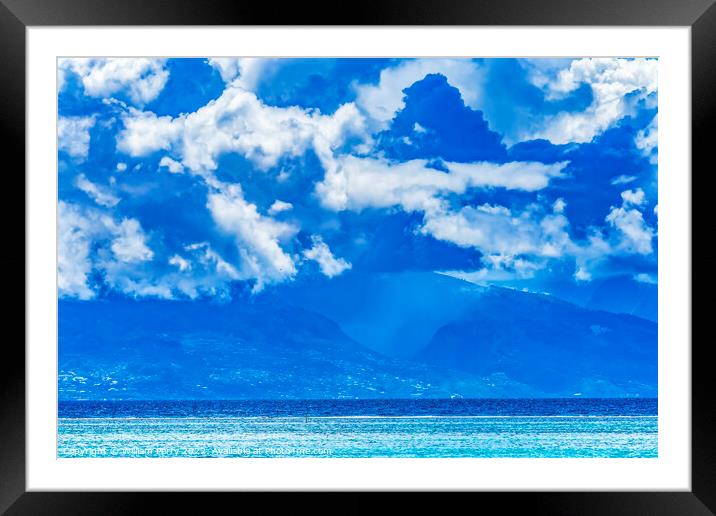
(562,430)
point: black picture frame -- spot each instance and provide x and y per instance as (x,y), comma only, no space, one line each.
(17,15)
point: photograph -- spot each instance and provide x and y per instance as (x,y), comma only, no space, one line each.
(357,257)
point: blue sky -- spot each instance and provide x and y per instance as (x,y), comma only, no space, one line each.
(198,178)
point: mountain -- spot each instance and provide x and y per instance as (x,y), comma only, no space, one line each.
(620,294)
(624,295)
(251,348)
(544,342)
(556,347)
(395,314)
(356,336)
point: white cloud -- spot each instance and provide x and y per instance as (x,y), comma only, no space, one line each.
(145,133)
(626,233)
(279,206)
(141,79)
(73,135)
(121,167)
(610,79)
(352,183)
(173,166)
(228,67)
(238,122)
(356,183)
(645,278)
(635,197)
(320,253)
(582,274)
(89,239)
(73,252)
(245,72)
(181,263)
(634,235)
(647,140)
(143,287)
(61,79)
(500,234)
(515,245)
(204,271)
(541,70)
(209,257)
(130,244)
(99,194)
(559,205)
(499,268)
(381,101)
(623,180)
(589,253)
(257,237)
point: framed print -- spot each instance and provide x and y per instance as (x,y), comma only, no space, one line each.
(419,250)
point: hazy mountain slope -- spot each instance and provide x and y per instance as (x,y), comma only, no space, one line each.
(624,295)
(446,337)
(249,349)
(395,314)
(541,341)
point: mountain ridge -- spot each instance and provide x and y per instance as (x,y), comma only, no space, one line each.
(465,341)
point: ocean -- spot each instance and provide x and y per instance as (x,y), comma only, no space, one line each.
(419,428)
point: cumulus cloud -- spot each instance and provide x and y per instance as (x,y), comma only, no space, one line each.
(100,195)
(207,256)
(356,183)
(382,100)
(514,239)
(140,79)
(352,183)
(279,206)
(228,67)
(245,72)
(88,240)
(626,233)
(321,254)
(181,263)
(516,245)
(93,244)
(635,197)
(145,132)
(73,252)
(73,135)
(559,205)
(647,140)
(257,237)
(143,287)
(634,234)
(171,165)
(498,268)
(201,270)
(591,252)
(582,274)
(238,122)
(130,243)
(500,234)
(611,80)
(645,278)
